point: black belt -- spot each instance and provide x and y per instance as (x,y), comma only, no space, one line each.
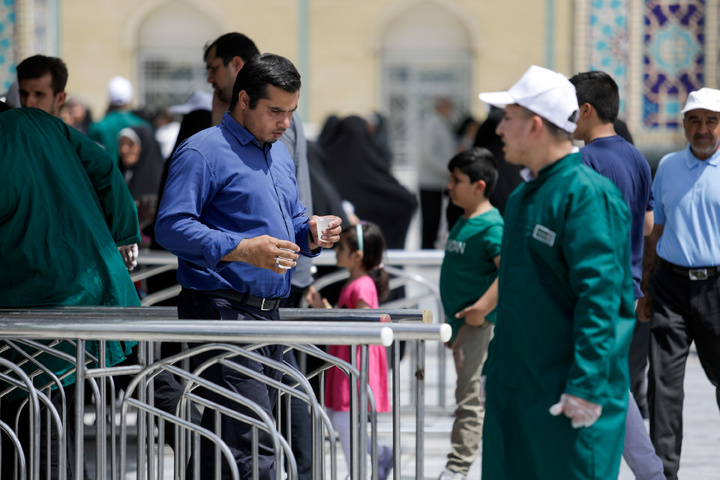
(702,273)
(263,304)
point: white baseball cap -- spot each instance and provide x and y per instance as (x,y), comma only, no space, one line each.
(199,100)
(120,91)
(705,99)
(545,93)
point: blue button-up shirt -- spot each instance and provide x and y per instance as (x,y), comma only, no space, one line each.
(222,187)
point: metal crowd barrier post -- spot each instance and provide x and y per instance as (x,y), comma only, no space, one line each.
(158,262)
(157,324)
(93,326)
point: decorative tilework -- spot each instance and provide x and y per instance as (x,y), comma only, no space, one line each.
(674,43)
(608,41)
(7,32)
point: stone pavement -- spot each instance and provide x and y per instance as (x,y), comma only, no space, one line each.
(701,445)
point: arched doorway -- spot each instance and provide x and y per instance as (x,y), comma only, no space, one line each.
(170,54)
(426,52)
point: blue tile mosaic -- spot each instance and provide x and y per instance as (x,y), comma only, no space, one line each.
(673,58)
(7,56)
(608,42)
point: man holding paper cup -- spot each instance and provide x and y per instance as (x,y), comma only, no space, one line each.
(231,214)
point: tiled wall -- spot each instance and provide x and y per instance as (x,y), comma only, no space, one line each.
(608,42)
(658,51)
(7,57)
(673,58)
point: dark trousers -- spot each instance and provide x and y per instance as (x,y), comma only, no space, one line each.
(8,414)
(300,425)
(683,312)
(236,434)
(431,208)
(638,362)
(167,393)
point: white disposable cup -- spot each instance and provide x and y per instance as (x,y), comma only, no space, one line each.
(286,267)
(322,224)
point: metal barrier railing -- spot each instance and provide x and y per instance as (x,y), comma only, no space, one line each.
(398,263)
(150,325)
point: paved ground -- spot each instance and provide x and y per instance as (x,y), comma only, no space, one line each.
(701,446)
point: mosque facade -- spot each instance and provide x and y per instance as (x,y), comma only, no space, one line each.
(393,57)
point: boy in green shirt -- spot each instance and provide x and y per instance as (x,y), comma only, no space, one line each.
(469,269)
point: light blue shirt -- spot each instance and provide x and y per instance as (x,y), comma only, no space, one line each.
(222,187)
(687,203)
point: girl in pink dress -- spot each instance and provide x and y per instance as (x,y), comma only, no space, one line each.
(360,250)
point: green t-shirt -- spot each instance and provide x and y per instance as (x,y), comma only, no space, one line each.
(468,268)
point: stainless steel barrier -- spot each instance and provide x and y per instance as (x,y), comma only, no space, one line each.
(82,324)
(398,263)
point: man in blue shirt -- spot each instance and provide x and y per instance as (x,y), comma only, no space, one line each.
(610,155)
(224,58)
(684,291)
(231,214)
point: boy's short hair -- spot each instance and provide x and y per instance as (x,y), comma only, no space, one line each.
(599,90)
(479,164)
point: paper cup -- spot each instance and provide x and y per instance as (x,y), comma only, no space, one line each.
(322,224)
(286,258)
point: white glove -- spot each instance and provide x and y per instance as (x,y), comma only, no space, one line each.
(129,255)
(582,412)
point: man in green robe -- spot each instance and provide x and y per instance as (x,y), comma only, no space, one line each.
(557,373)
(118,116)
(68,230)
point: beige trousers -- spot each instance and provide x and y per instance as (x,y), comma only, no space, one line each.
(469,352)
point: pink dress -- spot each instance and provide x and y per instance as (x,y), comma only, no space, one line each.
(337,384)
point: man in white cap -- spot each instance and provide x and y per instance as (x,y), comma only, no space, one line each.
(105,132)
(565,313)
(683,293)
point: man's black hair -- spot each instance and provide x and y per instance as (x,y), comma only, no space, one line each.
(261,71)
(479,164)
(40,65)
(232,45)
(599,90)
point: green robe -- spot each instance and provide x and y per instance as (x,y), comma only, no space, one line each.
(564,322)
(64,210)
(105,132)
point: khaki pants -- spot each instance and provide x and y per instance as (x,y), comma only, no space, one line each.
(469,352)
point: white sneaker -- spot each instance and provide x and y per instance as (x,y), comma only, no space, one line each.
(448,474)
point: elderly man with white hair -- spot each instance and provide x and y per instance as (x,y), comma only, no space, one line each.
(683,304)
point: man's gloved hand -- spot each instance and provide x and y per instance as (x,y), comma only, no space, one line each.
(582,412)
(129,255)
